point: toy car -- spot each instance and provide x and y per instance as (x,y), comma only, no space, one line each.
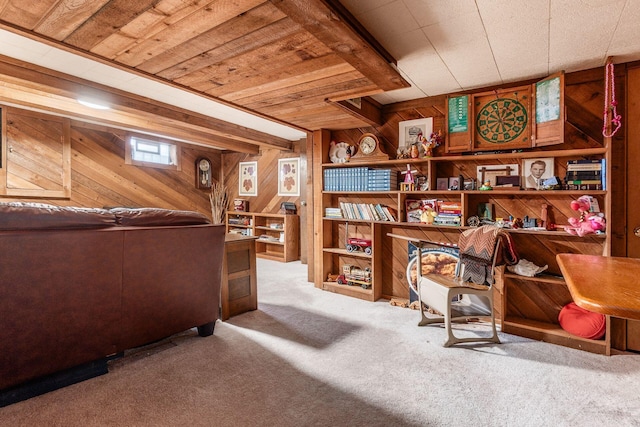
(356,244)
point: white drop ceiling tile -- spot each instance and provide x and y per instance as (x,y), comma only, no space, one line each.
(360,6)
(581,32)
(429,73)
(460,30)
(518,33)
(472,64)
(625,44)
(388,19)
(430,12)
(402,45)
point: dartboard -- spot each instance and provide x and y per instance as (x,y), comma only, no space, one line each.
(501,120)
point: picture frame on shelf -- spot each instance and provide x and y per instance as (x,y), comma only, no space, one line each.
(289,177)
(536,170)
(488,173)
(248,179)
(410,131)
(454,183)
(442,183)
(413,210)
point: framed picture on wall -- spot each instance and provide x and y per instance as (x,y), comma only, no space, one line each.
(289,177)
(248,179)
(411,130)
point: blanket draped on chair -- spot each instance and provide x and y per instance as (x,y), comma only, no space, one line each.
(477,246)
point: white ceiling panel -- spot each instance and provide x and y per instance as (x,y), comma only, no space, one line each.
(625,44)
(488,42)
(390,18)
(581,32)
(518,33)
(441,12)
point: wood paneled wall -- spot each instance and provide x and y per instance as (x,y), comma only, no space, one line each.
(267,199)
(100,177)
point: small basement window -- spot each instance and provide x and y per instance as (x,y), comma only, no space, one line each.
(150,151)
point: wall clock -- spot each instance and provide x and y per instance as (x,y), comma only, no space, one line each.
(502,119)
(369,149)
(203,173)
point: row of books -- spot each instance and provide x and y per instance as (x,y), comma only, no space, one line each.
(586,174)
(360,179)
(363,211)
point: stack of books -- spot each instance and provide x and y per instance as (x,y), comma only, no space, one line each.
(449,213)
(381,180)
(586,175)
(333,212)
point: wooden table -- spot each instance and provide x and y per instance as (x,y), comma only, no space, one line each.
(606,285)
(239,289)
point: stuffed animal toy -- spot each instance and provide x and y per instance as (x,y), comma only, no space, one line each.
(588,222)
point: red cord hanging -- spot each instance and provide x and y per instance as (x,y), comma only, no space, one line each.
(610,103)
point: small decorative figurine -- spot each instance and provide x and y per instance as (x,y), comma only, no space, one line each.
(486,186)
(415,152)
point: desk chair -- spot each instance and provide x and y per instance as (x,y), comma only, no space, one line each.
(480,251)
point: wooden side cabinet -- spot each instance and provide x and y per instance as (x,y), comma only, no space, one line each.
(239,290)
(278,235)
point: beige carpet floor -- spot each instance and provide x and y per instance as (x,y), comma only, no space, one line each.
(312,358)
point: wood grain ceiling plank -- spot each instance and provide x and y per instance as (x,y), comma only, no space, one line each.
(295,49)
(315,91)
(13,11)
(66,16)
(235,28)
(270,34)
(206,17)
(144,26)
(309,71)
(324,23)
(113,16)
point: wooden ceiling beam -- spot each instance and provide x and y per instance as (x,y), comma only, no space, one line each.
(365,109)
(332,27)
(131,109)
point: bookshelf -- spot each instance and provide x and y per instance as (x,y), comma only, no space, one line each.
(277,235)
(525,306)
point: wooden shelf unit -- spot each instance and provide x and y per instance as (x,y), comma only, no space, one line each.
(531,312)
(278,235)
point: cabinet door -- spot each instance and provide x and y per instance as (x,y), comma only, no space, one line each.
(38,155)
(459,123)
(548,111)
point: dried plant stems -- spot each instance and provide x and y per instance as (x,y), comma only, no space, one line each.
(219,199)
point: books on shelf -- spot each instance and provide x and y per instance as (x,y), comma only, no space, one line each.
(333,212)
(360,179)
(586,174)
(365,211)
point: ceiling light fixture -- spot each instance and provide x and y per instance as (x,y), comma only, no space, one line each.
(93,104)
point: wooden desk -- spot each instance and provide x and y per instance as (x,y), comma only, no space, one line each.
(606,285)
(239,289)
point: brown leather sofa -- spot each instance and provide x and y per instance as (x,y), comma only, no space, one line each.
(79,285)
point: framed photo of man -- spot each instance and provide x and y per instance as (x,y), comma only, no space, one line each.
(535,171)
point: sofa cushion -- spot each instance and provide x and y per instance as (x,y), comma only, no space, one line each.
(150,217)
(41,216)
(583,323)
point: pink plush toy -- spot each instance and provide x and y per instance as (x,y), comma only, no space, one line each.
(588,222)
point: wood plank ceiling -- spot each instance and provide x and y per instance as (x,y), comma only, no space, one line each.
(282,59)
